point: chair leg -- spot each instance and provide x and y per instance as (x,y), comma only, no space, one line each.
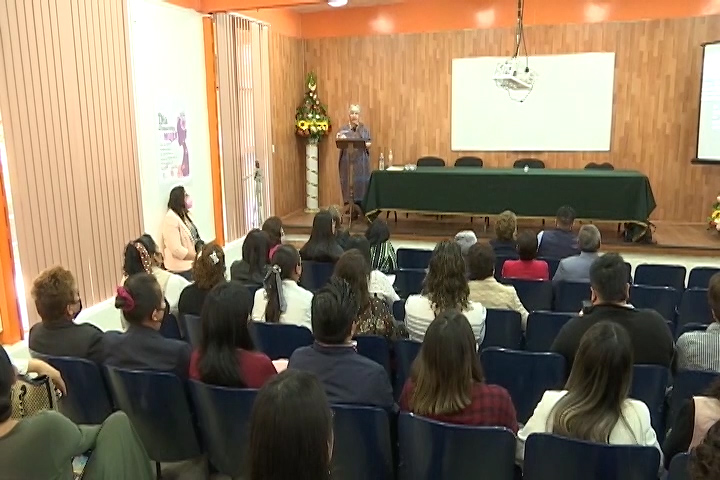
(471,219)
(158,470)
(395,213)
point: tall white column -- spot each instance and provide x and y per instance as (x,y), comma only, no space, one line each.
(311,177)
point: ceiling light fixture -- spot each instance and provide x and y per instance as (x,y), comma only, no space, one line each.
(337,3)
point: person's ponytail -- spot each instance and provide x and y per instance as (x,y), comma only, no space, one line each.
(273,284)
(284,263)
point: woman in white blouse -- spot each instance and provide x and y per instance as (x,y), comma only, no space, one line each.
(594,406)
(445,288)
(282,300)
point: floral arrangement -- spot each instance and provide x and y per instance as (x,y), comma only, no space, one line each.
(311,118)
(714,218)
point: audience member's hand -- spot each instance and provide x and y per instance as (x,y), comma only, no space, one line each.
(42,368)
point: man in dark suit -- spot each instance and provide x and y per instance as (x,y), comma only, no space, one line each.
(347,376)
(559,242)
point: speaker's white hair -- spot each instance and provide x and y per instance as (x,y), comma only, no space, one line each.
(355,108)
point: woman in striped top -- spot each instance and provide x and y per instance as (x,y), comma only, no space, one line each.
(382,252)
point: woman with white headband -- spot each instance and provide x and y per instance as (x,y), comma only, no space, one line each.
(360,161)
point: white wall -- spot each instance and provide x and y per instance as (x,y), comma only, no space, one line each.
(168,64)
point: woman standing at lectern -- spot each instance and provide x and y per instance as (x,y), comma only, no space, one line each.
(360,162)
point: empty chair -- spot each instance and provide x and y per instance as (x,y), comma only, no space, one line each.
(432,450)
(700,276)
(156,403)
(375,348)
(694,308)
(553,264)
(315,274)
(469,161)
(534,294)
(280,340)
(525,375)
(569,296)
(599,166)
(661,276)
(405,353)
(191,329)
(362,449)
(529,162)
(649,383)
(399,310)
(550,456)
(503,328)
(663,300)
(409,281)
(223,416)
(413,258)
(686,384)
(679,467)
(430,161)
(542,328)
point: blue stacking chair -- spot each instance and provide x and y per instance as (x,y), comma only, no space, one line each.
(375,348)
(191,329)
(690,327)
(88,400)
(661,276)
(499,262)
(687,384)
(535,295)
(649,385)
(679,467)
(553,264)
(409,281)
(569,296)
(432,450)
(315,274)
(157,405)
(553,457)
(525,375)
(542,328)
(503,328)
(169,327)
(277,340)
(362,448)
(663,300)
(223,416)
(399,310)
(405,353)
(694,308)
(413,258)
(700,276)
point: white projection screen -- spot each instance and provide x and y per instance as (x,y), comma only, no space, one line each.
(569,109)
(709,125)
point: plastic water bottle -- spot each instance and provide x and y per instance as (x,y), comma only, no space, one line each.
(390,159)
(381,164)
(526,169)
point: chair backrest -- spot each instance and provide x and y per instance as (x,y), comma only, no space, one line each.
(223,416)
(191,328)
(157,405)
(679,467)
(525,375)
(534,294)
(430,161)
(542,328)
(553,264)
(169,328)
(469,161)
(690,327)
(569,296)
(375,348)
(663,300)
(88,400)
(529,162)
(408,281)
(694,308)
(413,258)
(649,385)
(362,448)
(399,310)
(405,353)
(661,275)
(687,384)
(503,328)
(499,262)
(551,456)
(700,276)
(599,166)
(315,274)
(252,288)
(277,340)
(432,450)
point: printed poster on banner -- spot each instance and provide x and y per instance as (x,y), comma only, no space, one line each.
(173,155)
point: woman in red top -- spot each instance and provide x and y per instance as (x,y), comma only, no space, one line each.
(527,268)
(227,356)
(447,383)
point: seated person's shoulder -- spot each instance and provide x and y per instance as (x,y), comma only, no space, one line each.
(301,355)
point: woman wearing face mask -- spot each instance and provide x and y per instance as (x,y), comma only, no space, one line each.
(180,236)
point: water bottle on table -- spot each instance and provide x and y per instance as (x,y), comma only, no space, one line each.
(381,163)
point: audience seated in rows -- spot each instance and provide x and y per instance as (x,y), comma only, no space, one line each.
(527,268)
(559,242)
(577,267)
(142,347)
(700,350)
(704,462)
(375,316)
(227,356)
(208,271)
(291,430)
(485,289)
(382,252)
(252,268)
(505,232)
(43,446)
(273,228)
(379,285)
(651,340)
(282,299)
(445,288)
(342,235)
(322,245)
(58,303)
(692,422)
(180,236)
(594,406)
(465,239)
(347,376)
(447,383)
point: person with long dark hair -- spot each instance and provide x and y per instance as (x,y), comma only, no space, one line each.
(180,236)
(342,235)
(282,300)
(704,463)
(227,355)
(291,430)
(208,271)
(322,245)
(252,268)
(273,227)
(379,284)
(382,252)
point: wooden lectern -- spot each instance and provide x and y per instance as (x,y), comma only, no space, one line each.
(354,146)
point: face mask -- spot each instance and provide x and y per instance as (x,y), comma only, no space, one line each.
(188,202)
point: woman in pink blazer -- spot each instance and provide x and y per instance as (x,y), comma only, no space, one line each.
(179,234)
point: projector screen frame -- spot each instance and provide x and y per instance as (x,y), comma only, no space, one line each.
(697,160)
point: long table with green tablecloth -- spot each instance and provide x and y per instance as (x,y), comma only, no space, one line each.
(613,195)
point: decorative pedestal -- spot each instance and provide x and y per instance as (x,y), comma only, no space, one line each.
(311,177)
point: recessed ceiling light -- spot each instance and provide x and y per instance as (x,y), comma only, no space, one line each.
(337,3)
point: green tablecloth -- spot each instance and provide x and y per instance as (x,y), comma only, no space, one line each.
(618,195)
